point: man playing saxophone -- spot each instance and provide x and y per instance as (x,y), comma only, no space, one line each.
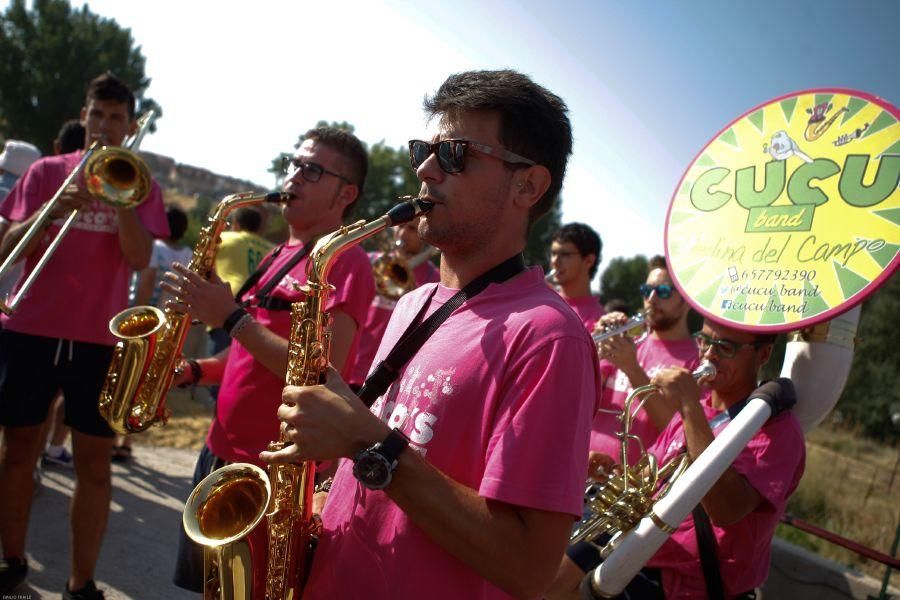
(408,246)
(326,178)
(58,338)
(463,479)
(744,506)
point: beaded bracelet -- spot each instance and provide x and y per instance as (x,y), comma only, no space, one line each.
(239,326)
(232,320)
(196,373)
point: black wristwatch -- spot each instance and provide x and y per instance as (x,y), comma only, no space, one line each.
(374,467)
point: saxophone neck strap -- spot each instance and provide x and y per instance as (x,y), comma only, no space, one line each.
(261,298)
(419,331)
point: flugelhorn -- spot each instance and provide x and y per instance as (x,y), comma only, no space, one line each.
(633,327)
(114,175)
(617,505)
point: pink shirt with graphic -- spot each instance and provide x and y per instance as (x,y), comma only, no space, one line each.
(85,283)
(588,309)
(377,319)
(772,463)
(250,394)
(500,400)
(653,355)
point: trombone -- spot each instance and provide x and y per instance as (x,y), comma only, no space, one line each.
(114,175)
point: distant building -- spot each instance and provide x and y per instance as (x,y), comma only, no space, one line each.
(187,180)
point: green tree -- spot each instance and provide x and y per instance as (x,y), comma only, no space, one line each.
(871,394)
(537,249)
(50,53)
(622,278)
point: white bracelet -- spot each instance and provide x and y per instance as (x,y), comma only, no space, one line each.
(242,322)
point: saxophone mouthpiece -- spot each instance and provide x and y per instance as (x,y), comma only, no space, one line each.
(279,197)
(408,210)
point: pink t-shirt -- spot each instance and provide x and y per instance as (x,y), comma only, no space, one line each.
(250,394)
(772,463)
(85,283)
(653,355)
(588,309)
(500,400)
(376,322)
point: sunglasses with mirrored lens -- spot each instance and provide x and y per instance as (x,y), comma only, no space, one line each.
(311,172)
(663,290)
(451,154)
(724,348)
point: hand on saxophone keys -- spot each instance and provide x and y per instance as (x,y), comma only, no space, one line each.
(208,300)
(324,422)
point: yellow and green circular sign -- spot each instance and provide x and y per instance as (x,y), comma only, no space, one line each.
(791,214)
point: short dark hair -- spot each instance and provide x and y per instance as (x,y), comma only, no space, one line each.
(110,87)
(351,149)
(584,238)
(70,136)
(657,262)
(178,222)
(533,120)
(616,305)
(249,218)
(765,339)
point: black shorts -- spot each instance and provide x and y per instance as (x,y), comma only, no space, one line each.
(189,558)
(34,368)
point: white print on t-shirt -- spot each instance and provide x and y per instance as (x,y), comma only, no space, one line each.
(98,217)
(621,383)
(421,396)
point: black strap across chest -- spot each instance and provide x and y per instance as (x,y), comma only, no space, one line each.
(419,331)
(261,298)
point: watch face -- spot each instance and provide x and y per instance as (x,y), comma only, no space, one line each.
(372,470)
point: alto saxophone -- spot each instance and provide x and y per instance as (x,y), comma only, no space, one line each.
(141,371)
(244,519)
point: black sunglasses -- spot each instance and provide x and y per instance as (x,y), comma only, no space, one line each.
(451,154)
(724,348)
(311,172)
(663,290)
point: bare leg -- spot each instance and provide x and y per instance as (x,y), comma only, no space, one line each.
(90,504)
(18,455)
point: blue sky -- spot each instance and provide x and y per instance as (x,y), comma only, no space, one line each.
(647,83)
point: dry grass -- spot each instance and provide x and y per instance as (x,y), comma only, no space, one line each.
(187,426)
(851,487)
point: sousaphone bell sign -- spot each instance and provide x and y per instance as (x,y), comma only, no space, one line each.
(791,214)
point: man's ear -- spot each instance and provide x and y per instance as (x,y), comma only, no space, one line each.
(530,185)
(348,194)
(591,260)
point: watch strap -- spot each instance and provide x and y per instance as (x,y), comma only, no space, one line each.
(395,442)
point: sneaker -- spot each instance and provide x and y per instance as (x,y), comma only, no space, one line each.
(63,459)
(12,573)
(88,592)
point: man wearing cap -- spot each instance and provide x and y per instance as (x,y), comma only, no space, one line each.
(15,159)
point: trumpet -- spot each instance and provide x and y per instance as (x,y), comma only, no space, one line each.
(633,327)
(116,176)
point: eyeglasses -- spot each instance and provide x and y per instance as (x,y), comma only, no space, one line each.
(451,154)
(563,254)
(663,290)
(724,348)
(311,172)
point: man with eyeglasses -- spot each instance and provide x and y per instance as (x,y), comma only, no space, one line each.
(746,503)
(325,177)
(465,476)
(574,259)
